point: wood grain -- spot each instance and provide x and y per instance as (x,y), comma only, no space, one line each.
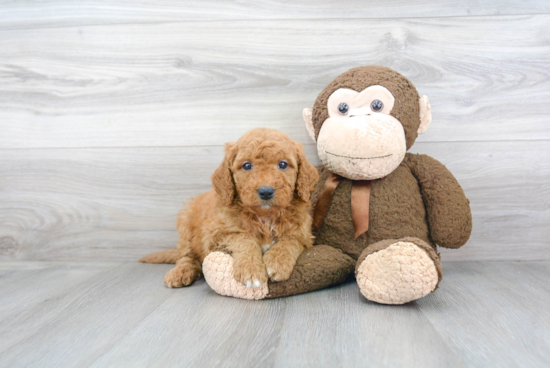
(32,14)
(28,284)
(80,323)
(483,314)
(491,316)
(188,334)
(121,204)
(206,82)
(344,330)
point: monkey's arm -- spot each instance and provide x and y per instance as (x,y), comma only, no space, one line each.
(448,209)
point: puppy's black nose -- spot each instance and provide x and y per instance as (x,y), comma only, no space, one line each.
(266,193)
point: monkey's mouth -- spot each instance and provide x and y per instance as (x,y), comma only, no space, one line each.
(359,158)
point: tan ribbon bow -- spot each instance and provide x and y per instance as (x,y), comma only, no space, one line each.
(360,198)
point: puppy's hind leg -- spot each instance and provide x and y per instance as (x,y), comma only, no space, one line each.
(187,270)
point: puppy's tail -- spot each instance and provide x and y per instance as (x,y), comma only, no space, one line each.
(166,256)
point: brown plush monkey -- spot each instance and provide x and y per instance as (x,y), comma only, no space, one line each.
(384,208)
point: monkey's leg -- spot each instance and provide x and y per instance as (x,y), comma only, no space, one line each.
(398,271)
(316,268)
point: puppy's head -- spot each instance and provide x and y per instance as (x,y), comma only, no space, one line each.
(264,169)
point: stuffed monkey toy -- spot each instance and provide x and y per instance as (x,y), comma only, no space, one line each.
(376,208)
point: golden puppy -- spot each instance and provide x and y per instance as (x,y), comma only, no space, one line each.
(258,211)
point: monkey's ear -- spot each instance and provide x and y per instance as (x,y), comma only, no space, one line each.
(425,115)
(222,178)
(309,123)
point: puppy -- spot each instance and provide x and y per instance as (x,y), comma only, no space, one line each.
(258,211)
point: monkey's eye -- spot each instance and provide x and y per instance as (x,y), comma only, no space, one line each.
(376,105)
(247,166)
(283,165)
(343,108)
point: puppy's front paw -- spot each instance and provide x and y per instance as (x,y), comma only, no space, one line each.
(250,273)
(278,265)
(219,274)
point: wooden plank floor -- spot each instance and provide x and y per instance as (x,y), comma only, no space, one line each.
(65,314)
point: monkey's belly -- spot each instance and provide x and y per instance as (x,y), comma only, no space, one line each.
(396,211)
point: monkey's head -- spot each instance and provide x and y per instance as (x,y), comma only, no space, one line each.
(365,120)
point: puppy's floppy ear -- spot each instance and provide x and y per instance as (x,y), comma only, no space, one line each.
(222,178)
(307,174)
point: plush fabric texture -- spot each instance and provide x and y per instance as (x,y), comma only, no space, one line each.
(419,199)
(218,270)
(448,209)
(316,268)
(405,109)
(360,197)
(359,102)
(397,272)
(362,148)
(413,208)
(381,245)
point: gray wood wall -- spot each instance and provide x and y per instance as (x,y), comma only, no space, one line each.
(112,113)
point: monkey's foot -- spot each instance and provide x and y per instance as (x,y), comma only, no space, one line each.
(398,271)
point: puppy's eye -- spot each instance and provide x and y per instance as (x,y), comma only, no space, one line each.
(343,108)
(376,105)
(247,166)
(283,165)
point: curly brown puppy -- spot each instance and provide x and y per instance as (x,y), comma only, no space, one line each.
(259,211)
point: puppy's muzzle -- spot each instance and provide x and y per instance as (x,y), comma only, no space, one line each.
(266,193)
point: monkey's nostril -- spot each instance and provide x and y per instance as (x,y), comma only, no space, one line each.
(266,193)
